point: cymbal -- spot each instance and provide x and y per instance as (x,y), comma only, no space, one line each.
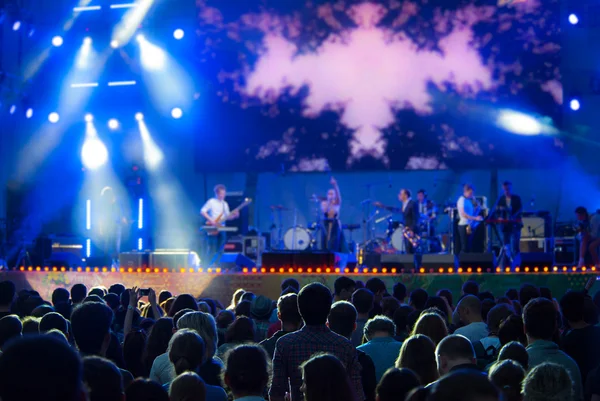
(279,207)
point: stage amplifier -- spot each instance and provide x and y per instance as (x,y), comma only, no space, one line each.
(566,250)
(253,248)
(172,259)
(536,244)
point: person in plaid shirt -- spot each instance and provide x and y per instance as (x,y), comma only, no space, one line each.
(314,304)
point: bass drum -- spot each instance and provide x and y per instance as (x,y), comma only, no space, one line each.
(397,240)
(297,239)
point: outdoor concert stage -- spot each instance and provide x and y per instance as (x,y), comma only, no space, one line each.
(221,285)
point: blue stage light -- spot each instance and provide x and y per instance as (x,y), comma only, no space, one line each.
(93,153)
(113,123)
(176,113)
(139,116)
(89,118)
(178,34)
(29,113)
(12,109)
(57,41)
(153,57)
(575,104)
(16,26)
(53,117)
(573,19)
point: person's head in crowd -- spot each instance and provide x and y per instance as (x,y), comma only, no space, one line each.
(514,351)
(512,294)
(464,385)
(389,305)
(183,301)
(399,292)
(470,288)
(166,305)
(203,307)
(432,325)
(117,289)
(290,282)
(572,306)
(112,300)
(7,295)
(133,351)
(527,292)
(486,306)
(247,371)
(58,335)
(504,300)
(314,304)
(78,293)
(447,294)
(590,312)
(31,304)
(188,386)
(102,379)
(146,390)
(418,299)
(158,340)
(377,287)
(511,329)
(243,308)
(90,324)
(548,382)
(400,319)
(379,327)
(517,307)
(289,290)
(418,354)
(31,325)
(179,315)
(496,316)
(342,318)
(100,291)
(539,319)
(240,331)
(224,319)
(10,328)
(343,288)
(163,296)
(439,304)
(247,296)
(235,298)
(93,298)
(418,394)
(545,292)
(359,284)
(395,384)
(51,371)
(203,324)
(362,300)
(288,314)
(261,308)
(486,295)
(212,305)
(186,351)
(469,310)
(60,295)
(325,378)
(507,376)
(54,320)
(454,351)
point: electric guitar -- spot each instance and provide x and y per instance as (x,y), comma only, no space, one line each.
(474,223)
(220,218)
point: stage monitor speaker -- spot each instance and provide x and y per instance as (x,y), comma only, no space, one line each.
(404,262)
(63,259)
(487,261)
(436,261)
(304,260)
(134,260)
(537,259)
(235,261)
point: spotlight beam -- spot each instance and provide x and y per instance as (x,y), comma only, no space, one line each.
(125,29)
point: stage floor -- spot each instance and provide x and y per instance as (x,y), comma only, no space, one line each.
(222,285)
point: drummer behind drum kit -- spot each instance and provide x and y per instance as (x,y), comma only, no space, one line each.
(393,240)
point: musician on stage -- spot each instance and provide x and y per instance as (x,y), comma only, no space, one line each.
(466,206)
(333,237)
(588,237)
(509,207)
(216,212)
(111,224)
(427,211)
(410,212)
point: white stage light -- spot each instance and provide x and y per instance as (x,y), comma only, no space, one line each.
(178,34)
(176,113)
(519,123)
(93,153)
(87,41)
(17,26)
(114,43)
(89,118)
(153,155)
(12,109)
(573,19)
(29,113)
(139,116)
(57,41)
(113,123)
(153,57)
(53,117)
(575,104)
(140,38)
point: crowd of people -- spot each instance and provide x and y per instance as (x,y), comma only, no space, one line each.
(359,342)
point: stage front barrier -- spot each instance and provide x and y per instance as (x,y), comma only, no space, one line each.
(221,286)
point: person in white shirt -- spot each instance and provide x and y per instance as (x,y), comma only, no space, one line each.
(469,312)
(216,212)
(466,212)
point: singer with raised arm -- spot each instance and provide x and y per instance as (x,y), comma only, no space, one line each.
(333,236)
(216,212)
(468,212)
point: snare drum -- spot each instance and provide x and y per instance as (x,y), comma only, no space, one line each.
(397,239)
(297,239)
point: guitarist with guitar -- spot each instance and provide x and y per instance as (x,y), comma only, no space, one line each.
(468,210)
(216,212)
